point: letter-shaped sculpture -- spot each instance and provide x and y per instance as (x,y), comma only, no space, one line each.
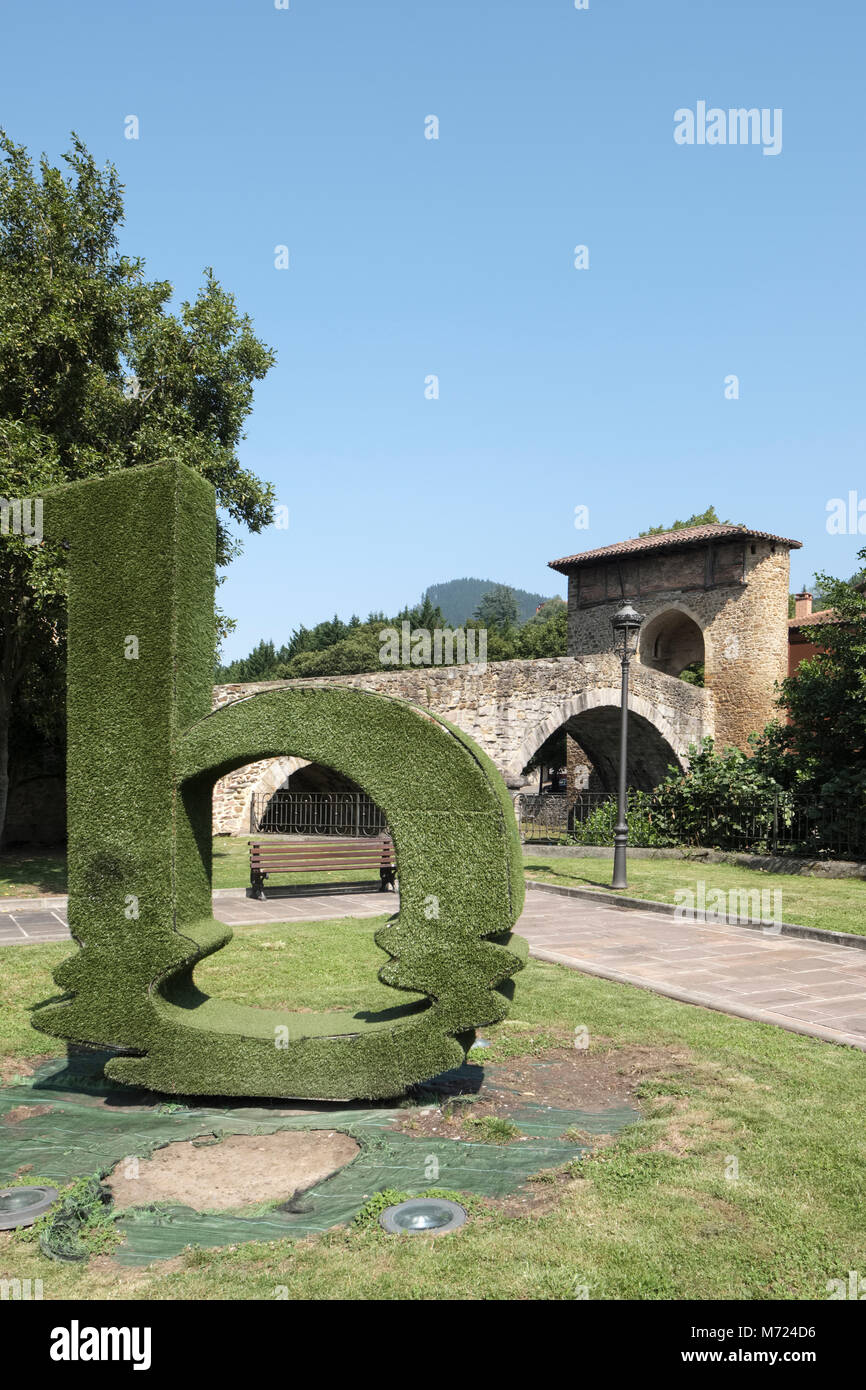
(144,753)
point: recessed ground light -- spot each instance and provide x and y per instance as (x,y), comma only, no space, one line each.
(480,1042)
(21,1206)
(423,1216)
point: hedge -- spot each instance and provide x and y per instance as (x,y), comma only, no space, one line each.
(144,753)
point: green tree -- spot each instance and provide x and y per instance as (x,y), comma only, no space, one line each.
(822,746)
(547,633)
(349,656)
(426,615)
(498,608)
(96,374)
(708,518)
(258,666)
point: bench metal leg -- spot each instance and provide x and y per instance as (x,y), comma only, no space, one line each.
(258,885)
(387,877)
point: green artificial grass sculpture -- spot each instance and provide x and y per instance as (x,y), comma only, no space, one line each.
(144,754)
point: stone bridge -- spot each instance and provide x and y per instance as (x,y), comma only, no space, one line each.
(510,708)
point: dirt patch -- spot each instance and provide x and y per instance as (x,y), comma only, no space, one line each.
(25,1112)
(11,1067)
(242,1170)
(538,1196)
(567,1079)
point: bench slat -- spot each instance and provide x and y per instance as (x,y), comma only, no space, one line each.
(317,856)
(324,865)
(329,852)
(321,859)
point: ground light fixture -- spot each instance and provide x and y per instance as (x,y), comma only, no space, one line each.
(21,1206)
(626,624)
(423,1216)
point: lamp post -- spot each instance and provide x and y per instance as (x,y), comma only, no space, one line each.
(626,626)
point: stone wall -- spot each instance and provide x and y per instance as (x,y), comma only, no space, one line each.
(737,594)
(509,708)
(232,797)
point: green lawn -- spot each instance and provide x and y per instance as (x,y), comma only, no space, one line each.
(651,1217)
(32,874)
(835,904)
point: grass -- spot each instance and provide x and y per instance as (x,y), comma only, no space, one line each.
(493,1129)
(650,1216)
(35,873)
(39,872)
(836,904)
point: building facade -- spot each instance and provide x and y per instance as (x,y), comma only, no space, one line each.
(715,606)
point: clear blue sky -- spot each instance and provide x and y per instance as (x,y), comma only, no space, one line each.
(454,257)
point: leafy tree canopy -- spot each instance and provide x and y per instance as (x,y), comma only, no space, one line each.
(340,649)
(708,518)
(822,746)
(97,374)
(498,608)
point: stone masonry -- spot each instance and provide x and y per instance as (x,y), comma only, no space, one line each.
(509,708)
(730,591)
(713,596)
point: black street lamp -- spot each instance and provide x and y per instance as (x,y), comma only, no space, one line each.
(626,626)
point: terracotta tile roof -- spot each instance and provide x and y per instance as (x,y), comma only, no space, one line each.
(824,615)
(666,540)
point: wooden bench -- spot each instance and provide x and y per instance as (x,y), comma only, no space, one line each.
(319,856)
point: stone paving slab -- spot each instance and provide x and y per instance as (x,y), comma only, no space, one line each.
(738,970)
(806,986)
(36,925)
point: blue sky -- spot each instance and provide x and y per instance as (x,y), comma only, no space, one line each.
(410,257)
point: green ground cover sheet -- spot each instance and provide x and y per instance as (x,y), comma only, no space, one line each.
(92,1125)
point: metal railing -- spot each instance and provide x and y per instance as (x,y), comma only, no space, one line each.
(315,813)
(542,816)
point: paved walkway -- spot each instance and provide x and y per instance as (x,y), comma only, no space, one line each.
(804,986)
(230,906)
(38,924)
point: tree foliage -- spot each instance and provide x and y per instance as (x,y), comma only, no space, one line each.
(710,517)
(335,648)
(821,748)
(97,374)
(498,609)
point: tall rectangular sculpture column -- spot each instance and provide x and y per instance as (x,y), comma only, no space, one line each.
(141,562)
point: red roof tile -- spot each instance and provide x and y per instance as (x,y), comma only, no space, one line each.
(824,615)
(666,540)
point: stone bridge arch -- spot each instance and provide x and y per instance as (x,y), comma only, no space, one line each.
(593,720)
(509,708)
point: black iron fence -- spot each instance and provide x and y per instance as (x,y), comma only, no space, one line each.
(779,824)
(542,816)
(315,813)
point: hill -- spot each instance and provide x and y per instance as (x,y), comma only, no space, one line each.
(458,599)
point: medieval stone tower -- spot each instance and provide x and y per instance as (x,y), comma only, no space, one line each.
(714,596)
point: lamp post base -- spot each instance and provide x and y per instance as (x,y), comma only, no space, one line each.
(620,841)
